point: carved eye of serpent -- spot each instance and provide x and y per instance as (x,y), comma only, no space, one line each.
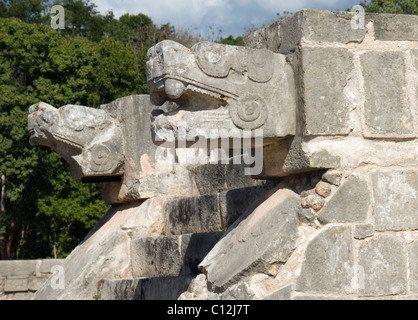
(250,112)
(261,67)
(49,117)
(103,158)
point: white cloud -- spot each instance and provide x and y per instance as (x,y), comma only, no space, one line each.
(233,16)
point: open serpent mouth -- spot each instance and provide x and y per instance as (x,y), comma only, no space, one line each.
(174,74)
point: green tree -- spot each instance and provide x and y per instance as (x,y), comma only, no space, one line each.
(82,19)
(45,209)
(238,41)
(391,6)
(30,11)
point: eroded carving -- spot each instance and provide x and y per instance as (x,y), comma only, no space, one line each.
(235,87)
(89,139)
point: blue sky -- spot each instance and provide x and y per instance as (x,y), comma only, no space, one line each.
(232,16)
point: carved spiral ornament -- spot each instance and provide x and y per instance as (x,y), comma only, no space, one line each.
(249,112)
(102,158)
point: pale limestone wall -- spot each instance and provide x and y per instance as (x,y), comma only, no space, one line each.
(357,233)
(20,279)
(337,220)
(357,89)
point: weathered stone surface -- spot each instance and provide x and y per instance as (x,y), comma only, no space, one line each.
(316,26)
(319,26)
(171,255)
(259,244)
(318,297)
(220,86)
(350,203)
(323,189)
(104,253)
(17,267)
(415,61)
(328,99)
(16,284)
(35,283)
(237,202)
(394,27)
(386,110)
(162,288)
(46,264)
(281,294)
(209,213)
(328,263)
(192,215)
(362,231)
(413,267)
(23,295)
(240,291)
(306,215)
(89,139)
(134,115)
(213,178)
(395,195)
(313,201)
(382,267)
(198,290)
(312,26)
(333,177)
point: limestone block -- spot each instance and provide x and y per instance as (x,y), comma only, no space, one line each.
(320,26)
(211,178)
(387,113)
(46,264)
(395,196)
(413,267)
(17,267)
(239,291)
(35,283)
(318,297)
(333,177)
(350,203)
(162,288)
(23,295)
(192,215)
(316,26)
(415,61)
(381,267)
(16,284)
(327,80)
(281,294)
(362,231)
(328,263)
(311,26)
(209,213)
(104,253)
(307,215)
(237,202)
(394,27)
(171,255)
(258,244)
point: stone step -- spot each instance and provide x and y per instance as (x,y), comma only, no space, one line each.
(158,288)
(174,255)
(214,212)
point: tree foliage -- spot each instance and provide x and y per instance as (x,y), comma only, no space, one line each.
(94,60)
(45,208)
(391,6)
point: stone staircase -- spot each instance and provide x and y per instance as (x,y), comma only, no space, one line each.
(164,266)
